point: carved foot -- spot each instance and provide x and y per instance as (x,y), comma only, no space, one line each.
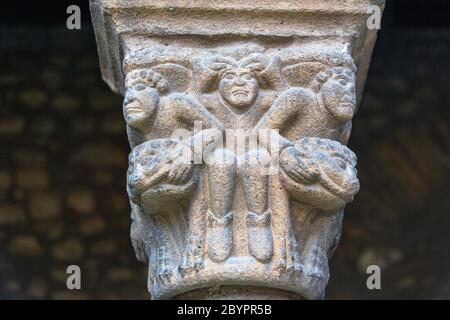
(290,259)
(164,272)
(164,275)
(260,241)
(316,263)
(220,237)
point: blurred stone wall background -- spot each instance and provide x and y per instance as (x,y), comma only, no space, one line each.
(63,159)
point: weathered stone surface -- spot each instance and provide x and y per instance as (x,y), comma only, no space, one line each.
(239,173)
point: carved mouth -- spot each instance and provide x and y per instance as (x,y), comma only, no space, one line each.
(347,101)
(347,104)
(238,92)
(344,193)
(133,107)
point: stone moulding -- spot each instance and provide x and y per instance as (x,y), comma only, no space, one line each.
(217,72)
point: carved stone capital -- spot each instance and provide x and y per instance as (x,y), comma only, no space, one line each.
(237,115)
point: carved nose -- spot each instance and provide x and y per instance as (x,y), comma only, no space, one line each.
(136,180)
(239,81)
(129,97)
(353,186)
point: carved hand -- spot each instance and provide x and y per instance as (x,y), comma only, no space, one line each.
(301,171)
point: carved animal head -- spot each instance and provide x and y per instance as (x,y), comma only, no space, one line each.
(150,164)
(144,87)
(337,87)
(322,172)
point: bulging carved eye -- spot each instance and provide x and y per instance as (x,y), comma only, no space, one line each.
(146,161)
(247,77)
(139,87)
(229,76)
(342,82)
(341,163)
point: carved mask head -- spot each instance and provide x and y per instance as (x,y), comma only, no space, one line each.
(239,80)
(238,87)
(325,167)
(145,161)
(142,97)
(338,93)
(334,165)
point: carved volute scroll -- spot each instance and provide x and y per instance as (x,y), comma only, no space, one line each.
(238,174)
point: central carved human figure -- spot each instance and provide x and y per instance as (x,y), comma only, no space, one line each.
(238,87)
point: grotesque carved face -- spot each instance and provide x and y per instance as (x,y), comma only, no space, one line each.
(325,167)
(157,163)
(139,104)
(145,161)
(337,171)
(339,95)
(239,88)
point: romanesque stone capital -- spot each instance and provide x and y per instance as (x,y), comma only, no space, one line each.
(237,114)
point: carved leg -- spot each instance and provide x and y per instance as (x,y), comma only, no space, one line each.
(221,171)
(194,252)
(256,186)
(165,251)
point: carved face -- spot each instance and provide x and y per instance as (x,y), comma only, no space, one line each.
(139,105)
(339,95)
(239,88)
(338,174)
(324,171)
(144,163)
(157,162)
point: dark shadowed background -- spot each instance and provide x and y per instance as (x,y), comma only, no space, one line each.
(63,162)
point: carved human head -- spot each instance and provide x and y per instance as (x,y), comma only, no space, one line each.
(144,87)
(337,86)
(239,80)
